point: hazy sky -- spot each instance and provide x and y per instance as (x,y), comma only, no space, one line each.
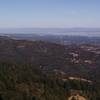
(49,13)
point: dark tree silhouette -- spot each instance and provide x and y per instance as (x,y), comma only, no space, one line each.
(33,98)
(1,97)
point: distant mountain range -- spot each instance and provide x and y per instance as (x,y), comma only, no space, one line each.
(54,31)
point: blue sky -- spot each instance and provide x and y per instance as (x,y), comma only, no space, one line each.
(49,13)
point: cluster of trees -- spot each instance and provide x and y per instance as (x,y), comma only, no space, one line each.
(27,82)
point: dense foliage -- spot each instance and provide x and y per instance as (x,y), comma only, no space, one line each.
(25,82)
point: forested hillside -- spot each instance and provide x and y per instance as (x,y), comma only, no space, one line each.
(47,71)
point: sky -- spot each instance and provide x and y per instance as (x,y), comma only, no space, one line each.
(49,13)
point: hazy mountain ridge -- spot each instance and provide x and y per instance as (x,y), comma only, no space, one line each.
(54,31)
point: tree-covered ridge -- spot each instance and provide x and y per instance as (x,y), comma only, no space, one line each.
(25,82)
(79,60)
(43,71)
